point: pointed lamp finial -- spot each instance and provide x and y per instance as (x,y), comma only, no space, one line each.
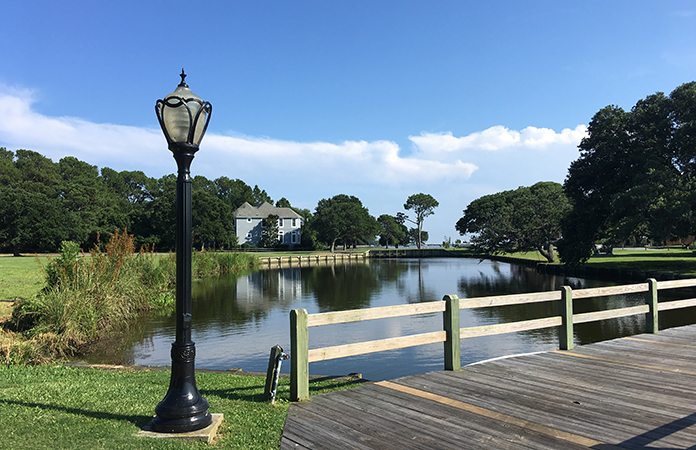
(183,77)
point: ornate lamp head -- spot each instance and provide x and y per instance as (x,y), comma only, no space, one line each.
(183,117)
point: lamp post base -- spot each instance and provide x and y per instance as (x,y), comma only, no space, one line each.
(183,409)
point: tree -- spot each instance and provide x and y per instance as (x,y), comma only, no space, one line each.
(269,236)
(423,205)
(234,192)
(634,179)
(283,203)
(85,196)
(527,218)
(343,218)
(32,221)
(414,235)
(212,221)
(33,216)
(259,196)
(392,232)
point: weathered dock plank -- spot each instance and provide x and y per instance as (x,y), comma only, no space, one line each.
(633,393)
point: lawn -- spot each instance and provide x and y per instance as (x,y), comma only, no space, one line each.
(674,260)
(650,260)
(20,277)
(57,407)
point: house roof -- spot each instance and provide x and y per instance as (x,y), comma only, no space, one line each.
(264,210)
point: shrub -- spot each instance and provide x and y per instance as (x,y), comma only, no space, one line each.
(86,298)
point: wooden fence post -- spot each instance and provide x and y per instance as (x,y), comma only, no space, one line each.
(565,332)
(299,356)
(652,323)
(451,326)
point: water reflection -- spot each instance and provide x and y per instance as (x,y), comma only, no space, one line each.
(237,320)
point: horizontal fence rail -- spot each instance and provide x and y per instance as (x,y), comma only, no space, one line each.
(451,333)
(310,260)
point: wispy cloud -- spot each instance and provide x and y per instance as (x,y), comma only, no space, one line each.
(118,146)
(497,138)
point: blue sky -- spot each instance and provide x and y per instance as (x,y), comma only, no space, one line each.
(377,99)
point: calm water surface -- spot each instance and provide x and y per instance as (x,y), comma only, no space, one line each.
(237,320)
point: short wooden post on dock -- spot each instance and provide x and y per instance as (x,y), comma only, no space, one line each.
(451,326)
(299,357)
(652,324)
(565,331)
(276,350)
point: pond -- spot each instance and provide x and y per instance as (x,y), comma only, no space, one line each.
(237,320)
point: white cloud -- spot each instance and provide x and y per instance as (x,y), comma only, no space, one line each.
(134,148)
(496,138)
(375,162)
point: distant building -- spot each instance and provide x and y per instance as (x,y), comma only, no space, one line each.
(248,224)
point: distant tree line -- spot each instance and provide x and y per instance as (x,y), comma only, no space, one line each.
(43,203)
(633,184)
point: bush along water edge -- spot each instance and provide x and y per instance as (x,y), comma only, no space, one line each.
(91,297)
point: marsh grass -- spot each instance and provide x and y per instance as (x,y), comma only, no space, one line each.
(208,264)
(89,297)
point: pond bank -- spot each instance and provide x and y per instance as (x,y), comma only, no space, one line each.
(588,271)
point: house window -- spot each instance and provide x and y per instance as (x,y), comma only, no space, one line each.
(249,235)
(280,237)
(293,237)
(280,223)
(248,219)
(294,222)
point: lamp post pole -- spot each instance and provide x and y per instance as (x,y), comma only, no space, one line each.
(184,118)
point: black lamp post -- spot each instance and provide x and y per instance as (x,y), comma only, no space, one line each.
(184,118)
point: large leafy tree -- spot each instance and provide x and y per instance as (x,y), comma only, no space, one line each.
(86,197)
(269,236)
(423,205)
(234,192)
(130,193)
(392,232)
(527,218)
(33,216)
(212,218)
(343,219)
(634,179)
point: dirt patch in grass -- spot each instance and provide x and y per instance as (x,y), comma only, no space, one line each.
(5,310)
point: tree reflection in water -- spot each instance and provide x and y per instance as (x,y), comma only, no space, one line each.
(238,319)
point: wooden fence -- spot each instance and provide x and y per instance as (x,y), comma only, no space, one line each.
(310,260)
(451,333)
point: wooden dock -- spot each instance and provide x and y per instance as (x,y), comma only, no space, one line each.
(636,392)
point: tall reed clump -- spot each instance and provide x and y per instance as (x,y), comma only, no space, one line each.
(208,264)
(89,296)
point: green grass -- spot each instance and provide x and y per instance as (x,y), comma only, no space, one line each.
(674,260)
(20,277)
(56,407)
(668,260)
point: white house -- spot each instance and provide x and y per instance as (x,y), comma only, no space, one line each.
(248,227)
